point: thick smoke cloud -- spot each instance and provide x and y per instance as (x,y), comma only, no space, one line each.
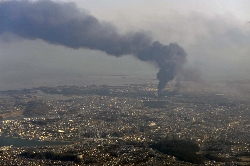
(169,58)
(65,24)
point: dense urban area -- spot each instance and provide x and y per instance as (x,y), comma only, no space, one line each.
(125,125)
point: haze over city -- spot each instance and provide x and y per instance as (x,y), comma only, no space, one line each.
(161,82)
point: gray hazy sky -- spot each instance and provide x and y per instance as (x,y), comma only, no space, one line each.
(215,34)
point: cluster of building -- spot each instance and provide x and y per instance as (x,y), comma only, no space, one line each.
(94,122)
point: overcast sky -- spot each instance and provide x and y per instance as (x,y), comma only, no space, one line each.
(215,34)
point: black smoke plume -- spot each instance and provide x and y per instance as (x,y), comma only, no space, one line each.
(65,24)
(169,58)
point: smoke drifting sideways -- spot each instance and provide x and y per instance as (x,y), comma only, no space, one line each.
(65,24)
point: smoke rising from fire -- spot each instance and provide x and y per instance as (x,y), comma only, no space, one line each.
(65,24)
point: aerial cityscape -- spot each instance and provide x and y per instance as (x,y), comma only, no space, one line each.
(125,125)
(147,83)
